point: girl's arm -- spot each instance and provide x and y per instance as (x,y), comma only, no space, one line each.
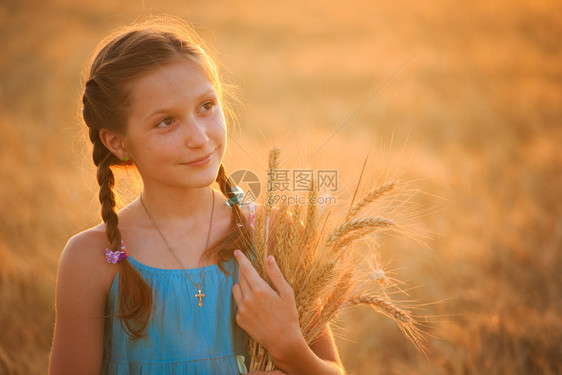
(325,348)
(80,298)
(320,358)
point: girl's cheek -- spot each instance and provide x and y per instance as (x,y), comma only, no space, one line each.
(217,119)
(218,130)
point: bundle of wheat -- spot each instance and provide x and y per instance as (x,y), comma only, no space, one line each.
(320,265)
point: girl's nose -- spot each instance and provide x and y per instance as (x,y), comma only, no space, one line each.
(196,134)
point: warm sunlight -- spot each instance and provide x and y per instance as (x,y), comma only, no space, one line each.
(460,102)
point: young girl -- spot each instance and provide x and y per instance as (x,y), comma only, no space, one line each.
(164,286)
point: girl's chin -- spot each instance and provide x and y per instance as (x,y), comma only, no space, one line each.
(204,178)
(190,177)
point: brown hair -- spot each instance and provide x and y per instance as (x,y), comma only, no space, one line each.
(119,59)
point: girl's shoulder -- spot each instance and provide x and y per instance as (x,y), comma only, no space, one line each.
(84,257)
(86,244)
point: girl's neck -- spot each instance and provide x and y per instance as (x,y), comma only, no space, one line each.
(186,207)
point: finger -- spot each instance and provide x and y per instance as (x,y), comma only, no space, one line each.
(237,293)
(277,278)
(244,285)
(248,273)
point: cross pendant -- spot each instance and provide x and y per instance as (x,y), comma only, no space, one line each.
(200,296)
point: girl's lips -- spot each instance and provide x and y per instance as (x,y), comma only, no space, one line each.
(203,161)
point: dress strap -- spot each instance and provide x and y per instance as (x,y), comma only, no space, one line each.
(252,217)
(252,253)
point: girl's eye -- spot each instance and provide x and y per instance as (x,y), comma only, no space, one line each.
(166,122)
(207,106)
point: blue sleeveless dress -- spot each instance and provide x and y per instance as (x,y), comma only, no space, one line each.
(182,337)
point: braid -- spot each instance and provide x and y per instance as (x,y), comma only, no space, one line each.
(225,183)
(135,300)
(106,180)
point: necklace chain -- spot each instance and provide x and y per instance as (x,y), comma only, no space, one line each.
(199,294)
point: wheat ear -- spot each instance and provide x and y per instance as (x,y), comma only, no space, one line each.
(296,232)
(351,226)
(281,237)
(318,282)
(311,216)
(371,196)
(385,305)
(273,164)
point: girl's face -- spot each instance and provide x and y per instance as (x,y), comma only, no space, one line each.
(176,118)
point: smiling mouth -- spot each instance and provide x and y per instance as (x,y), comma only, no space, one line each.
(201,160)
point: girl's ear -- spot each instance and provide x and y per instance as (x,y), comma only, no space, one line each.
(113,142)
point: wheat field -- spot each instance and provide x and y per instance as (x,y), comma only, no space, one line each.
(463,100)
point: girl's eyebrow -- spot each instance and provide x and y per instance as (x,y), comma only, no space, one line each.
(167,109)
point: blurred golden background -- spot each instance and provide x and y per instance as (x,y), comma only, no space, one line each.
(469,94)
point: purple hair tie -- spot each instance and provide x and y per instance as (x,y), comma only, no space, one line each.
(116,256)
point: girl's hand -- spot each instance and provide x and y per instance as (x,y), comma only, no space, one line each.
(273,372)
(270,317)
